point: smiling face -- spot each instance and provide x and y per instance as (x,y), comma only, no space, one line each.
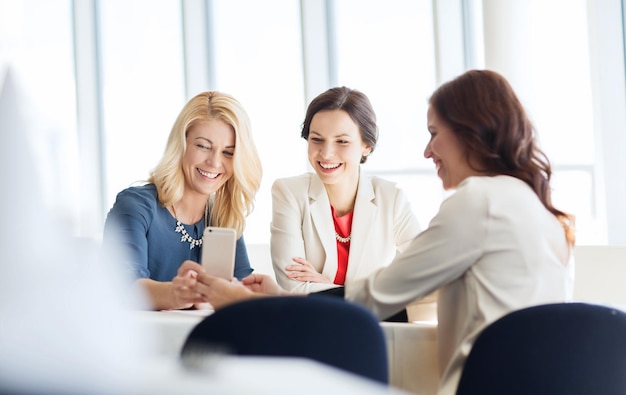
(208,159)
(447,152)
(335,147)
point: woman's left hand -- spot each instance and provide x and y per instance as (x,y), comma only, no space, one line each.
(305,272)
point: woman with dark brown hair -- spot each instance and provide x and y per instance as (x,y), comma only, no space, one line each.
(335,224)
(497,243)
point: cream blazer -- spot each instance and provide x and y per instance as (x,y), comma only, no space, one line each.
(493,248)
(302,226)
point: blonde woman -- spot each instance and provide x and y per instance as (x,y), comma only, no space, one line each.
(208,175)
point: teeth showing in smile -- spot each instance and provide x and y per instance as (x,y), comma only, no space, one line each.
(330,165)
(209,175)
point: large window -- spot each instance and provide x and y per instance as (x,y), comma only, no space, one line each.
(388,52)
(550,70)
(147,57)
(562,108)
(142,86)
(37,48)
(258,59)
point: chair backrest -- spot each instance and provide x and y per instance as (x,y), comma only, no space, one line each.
(326,329)
(552,349)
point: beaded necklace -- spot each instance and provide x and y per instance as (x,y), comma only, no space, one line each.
(184,236)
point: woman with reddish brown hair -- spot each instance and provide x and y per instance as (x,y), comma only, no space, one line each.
(498,136)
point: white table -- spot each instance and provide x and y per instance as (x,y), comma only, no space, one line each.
(412,348)
(170,327)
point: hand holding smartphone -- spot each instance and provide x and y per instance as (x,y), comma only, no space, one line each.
(218,251)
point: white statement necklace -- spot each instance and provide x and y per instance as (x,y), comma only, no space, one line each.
(184,236)
(343,239)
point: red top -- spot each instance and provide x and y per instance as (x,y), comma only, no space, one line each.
(343,227)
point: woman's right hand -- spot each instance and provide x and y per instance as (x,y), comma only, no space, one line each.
(262,283)
(183,292)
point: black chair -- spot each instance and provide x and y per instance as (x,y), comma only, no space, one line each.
(552,349)
(325,329)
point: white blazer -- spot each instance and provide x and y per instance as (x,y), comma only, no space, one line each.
(302,226)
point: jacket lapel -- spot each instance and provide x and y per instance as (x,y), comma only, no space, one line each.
(323,221)
(363,227)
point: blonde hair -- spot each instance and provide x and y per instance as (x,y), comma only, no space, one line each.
(234,201)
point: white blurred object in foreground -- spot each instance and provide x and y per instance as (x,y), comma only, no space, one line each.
(63,309)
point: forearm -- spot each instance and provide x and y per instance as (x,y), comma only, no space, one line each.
(309,287)
(159,294)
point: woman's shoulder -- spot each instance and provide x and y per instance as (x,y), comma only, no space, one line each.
(141,195)
(481,192)
(138,202)
(495,184)
(472,194)
(382,183)
(294,182)
(382,187)
(145,191)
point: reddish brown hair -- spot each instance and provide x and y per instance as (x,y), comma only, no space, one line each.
(484,112)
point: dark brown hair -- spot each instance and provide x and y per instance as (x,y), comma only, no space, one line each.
(353,102)
(484,112)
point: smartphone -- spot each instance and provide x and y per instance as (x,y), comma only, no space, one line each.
(218,251)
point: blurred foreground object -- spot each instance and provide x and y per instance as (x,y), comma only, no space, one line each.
(63,327)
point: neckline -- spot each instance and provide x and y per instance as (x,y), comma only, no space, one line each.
(185,237)
(343,224)
(197,223)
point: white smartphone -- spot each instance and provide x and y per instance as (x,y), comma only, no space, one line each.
(218,251)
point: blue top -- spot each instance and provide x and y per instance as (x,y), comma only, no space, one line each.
(146,230)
